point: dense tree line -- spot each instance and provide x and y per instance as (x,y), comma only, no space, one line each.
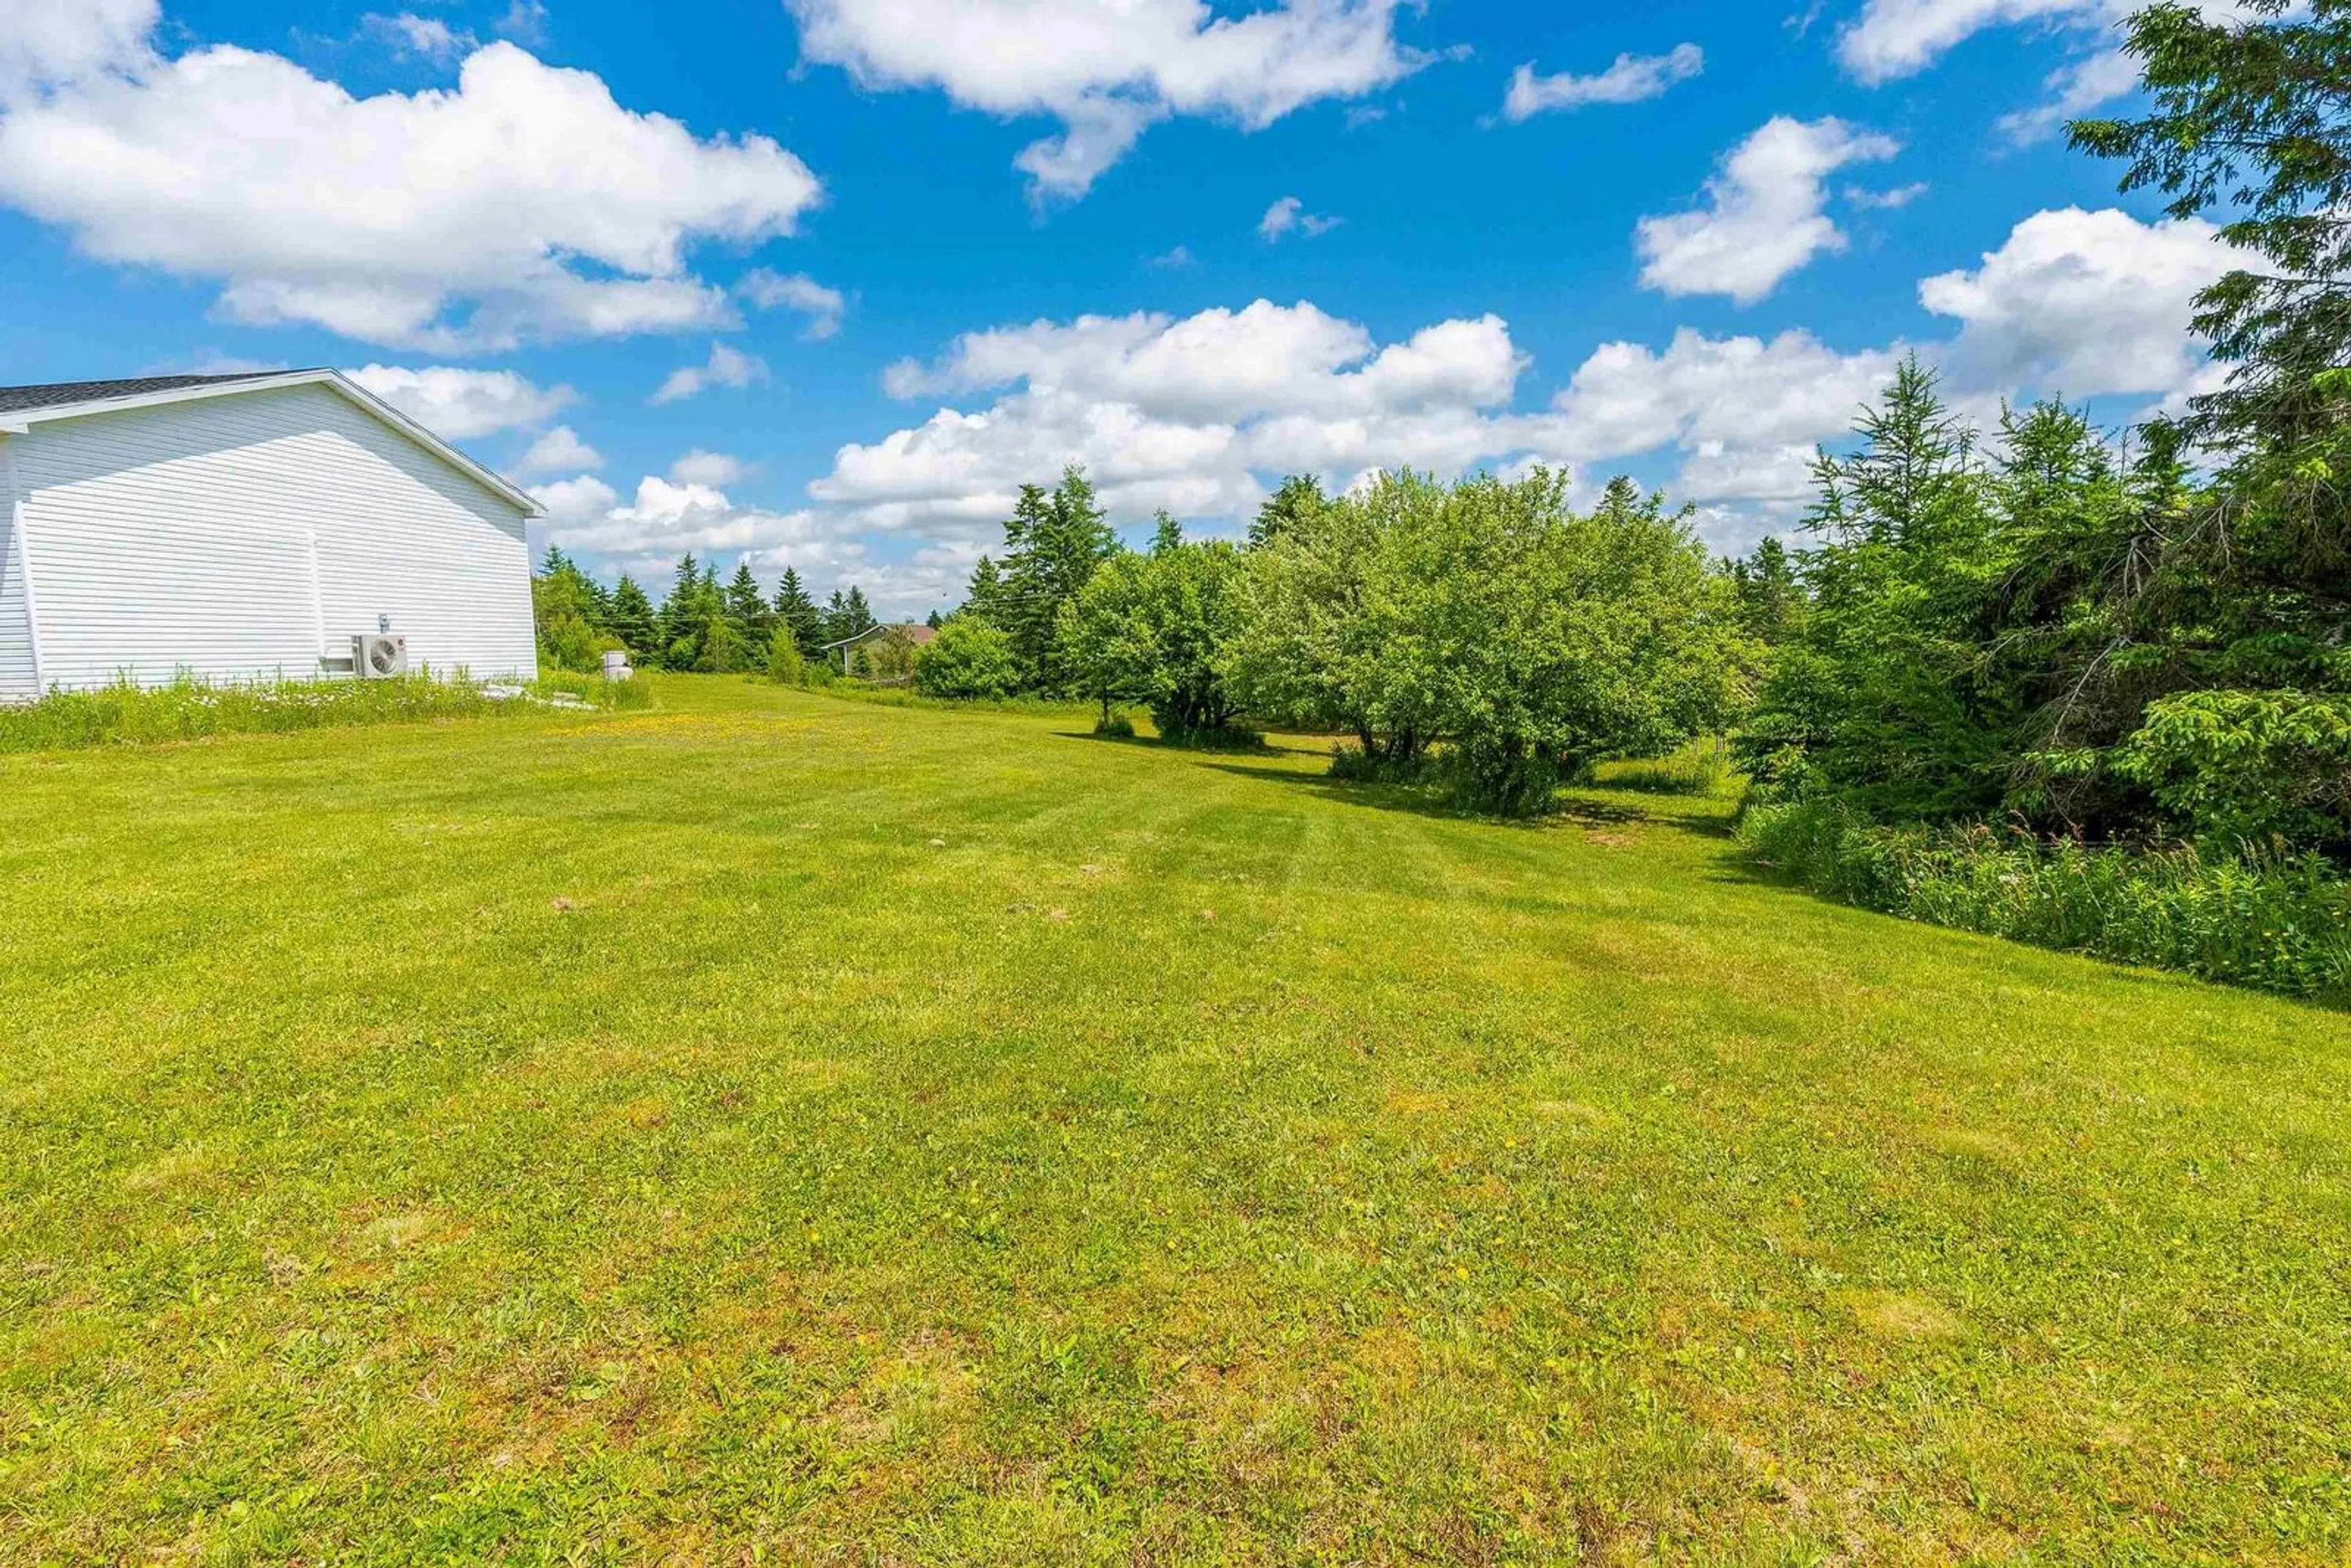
(704,622)
(2145,640)
(2094,689)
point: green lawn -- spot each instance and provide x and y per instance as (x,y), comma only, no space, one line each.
(774,1128)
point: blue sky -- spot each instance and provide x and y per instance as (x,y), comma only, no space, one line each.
(820,281)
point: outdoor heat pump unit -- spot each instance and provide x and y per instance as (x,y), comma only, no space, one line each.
(379,656)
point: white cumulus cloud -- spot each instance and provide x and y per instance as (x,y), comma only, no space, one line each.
(1738,392)
(1895,38)
(559,451)
(1108,69)
(459,404)
(1289,215)
(767,291)
(1891,199)
(523,202)
(715,470)
(665,518)
(574,502)
(1201,413)
(2081,304)
(429,37)
(1186,413)
(1631,80)
(48,44)
(1891,39)
(1765,214)
(726,367)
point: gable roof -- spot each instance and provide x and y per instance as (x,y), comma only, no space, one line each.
(15,399)
(22,408)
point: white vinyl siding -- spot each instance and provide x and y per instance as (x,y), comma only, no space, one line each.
(251,535)
(18,681)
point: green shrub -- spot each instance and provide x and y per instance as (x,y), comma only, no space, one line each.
(970,660)
(1115,725)
(2248,767)
(569,642)
(2271,922)
(128,713)
(786,667)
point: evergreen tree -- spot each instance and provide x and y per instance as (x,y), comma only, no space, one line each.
(695,605)
(1884,699)
(797,612)
(1770,599)
(1299,496)
(718,648)
(632,619)
(1052,546)
(676,614)
(984,599)
(1913,476)
(749,613)
(846,614)
(1031,516)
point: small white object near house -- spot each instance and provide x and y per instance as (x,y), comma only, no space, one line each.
(248,527)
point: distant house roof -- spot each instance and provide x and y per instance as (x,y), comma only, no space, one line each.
(22,408)
(913,632)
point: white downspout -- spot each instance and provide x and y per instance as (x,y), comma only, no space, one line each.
(317,611)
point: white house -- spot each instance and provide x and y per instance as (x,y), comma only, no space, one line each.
(244,526)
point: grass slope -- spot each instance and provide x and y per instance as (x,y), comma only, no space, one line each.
(779,1128)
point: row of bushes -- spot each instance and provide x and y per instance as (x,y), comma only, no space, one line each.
(128,713)
(2275,922)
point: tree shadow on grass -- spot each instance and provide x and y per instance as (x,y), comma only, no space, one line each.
(1185,748)
(1422,801)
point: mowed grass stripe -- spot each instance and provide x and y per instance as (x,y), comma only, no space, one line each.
(1182,1157)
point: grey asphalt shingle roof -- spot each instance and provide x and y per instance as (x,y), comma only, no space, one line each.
(16,400)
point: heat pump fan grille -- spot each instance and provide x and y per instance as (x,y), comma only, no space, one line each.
(380,657)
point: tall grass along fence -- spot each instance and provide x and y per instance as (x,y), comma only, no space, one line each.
(2278,924)
(127,714)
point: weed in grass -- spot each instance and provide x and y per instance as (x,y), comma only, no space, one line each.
(1701,769)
